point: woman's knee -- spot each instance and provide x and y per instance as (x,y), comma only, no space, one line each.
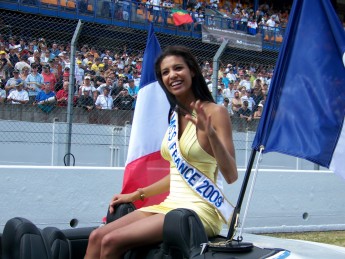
(95,236)
(111,244)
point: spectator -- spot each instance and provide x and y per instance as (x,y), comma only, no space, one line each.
(79,73)
(225,80)
(45,58)
(257,95)
(12,83)
(271,27)
(104,101)
(85,101)
(247,97)
(22,63)
(211,20)
(108,84)
(34,82)
(136,78)
(5,65)
(199,17)
(2,95)
(244,112)
(95,66)
(229,92)
(101,75)
(252,26)
(88,86)
(46,99)
(48,77)
(156,10)
(138,65)
(18,96)
(133,91)
(118,87)
(264,90)
(55,50)
(37,61)
(191,4)
(62,95)
(214,4)
(22,45)
(65,78)
(24,74)
(123,101)
(89,58)
(94,52)
(258,112)
(13,56)
(246,82)
(243,20)
(89,70)
(236,103)
(227,105)
(219,96)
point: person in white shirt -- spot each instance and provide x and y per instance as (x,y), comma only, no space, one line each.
(270,27)
(87,86)
(231,75)
(156,10)
(108,84)
(79,72)
(22,63)
(18,96)
(104,101)
(249,99)
(229,92)
(246,82)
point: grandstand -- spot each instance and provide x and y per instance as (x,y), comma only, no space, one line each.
(122,30)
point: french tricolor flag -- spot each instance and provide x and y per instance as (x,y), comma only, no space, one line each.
(305,108)
(145,164)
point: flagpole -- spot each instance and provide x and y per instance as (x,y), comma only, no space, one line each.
(236,213)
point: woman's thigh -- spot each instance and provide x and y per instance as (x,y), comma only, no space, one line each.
(123,221)
(143,231)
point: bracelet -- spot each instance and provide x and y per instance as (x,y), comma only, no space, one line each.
(141,194)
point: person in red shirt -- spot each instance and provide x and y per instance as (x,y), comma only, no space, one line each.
(62,95)
(48,77)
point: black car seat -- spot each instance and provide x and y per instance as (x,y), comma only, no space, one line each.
(21,239)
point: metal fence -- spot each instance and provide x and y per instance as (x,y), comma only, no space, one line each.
(103,51)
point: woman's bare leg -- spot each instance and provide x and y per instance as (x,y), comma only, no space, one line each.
(94,246)
(145,231)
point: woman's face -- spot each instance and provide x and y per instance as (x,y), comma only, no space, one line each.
(176,75)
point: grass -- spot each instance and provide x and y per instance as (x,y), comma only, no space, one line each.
(328,237)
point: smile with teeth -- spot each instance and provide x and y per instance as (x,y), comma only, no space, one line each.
(176,83)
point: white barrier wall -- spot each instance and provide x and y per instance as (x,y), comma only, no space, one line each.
(79,196)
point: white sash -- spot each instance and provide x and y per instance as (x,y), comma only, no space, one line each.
(195,179)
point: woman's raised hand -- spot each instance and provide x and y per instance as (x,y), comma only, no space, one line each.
(202,121)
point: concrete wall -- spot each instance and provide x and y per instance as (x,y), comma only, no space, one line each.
(281,201)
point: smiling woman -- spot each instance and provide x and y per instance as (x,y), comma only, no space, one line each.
(198,142)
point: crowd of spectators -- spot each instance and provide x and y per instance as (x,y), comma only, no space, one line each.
(241,88)
(37,72)
(238,15)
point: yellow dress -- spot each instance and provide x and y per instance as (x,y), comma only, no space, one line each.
(182,196)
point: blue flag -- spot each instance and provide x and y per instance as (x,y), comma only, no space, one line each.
(305,108)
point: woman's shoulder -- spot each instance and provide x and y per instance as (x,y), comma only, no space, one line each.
(215,109)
